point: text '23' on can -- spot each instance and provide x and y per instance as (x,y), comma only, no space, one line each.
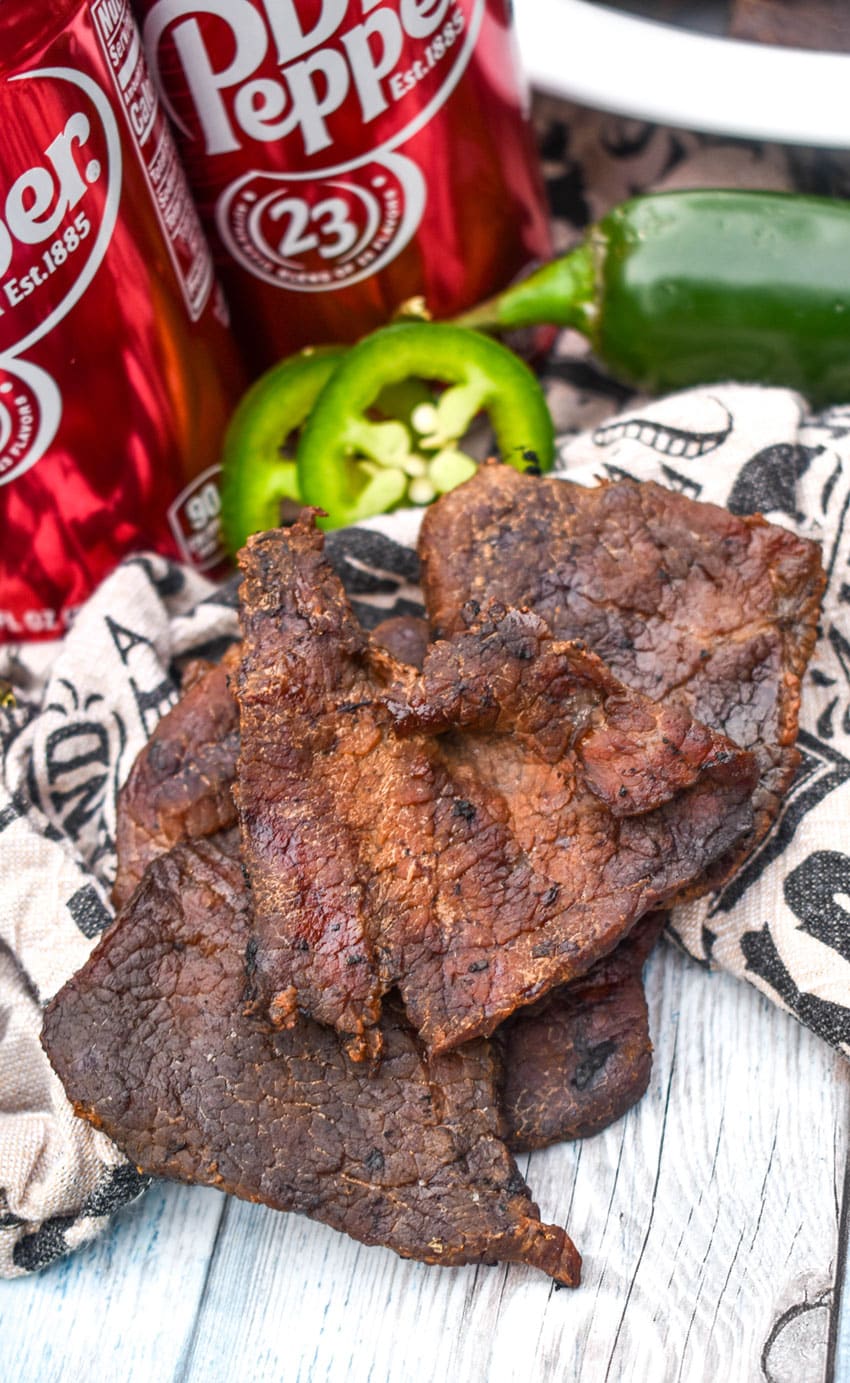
(117,371)
(348,155)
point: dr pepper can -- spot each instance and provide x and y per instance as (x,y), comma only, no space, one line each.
(348,155)
(117,370)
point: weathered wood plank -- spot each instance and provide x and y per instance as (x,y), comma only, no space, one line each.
(708,1219)
(839,1352)
(121,1310)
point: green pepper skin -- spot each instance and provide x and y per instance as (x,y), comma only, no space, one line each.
(702,286)
(255,476)
(338,435)
(684,288)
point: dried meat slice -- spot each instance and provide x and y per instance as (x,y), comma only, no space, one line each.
(682,600)
(475,836)
(573,1063)
(153,1045)
(180,785)
(334,840)
(593,804)
(578,1059)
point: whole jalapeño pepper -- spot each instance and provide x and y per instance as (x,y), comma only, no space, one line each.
(693,287)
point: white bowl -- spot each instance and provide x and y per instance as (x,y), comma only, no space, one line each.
(614,61)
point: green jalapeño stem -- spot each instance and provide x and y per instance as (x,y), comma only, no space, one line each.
(561,293)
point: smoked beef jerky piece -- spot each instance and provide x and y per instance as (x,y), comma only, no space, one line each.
(577,1060)
(180,785)
(598,1025)
(334,839)
(473,869)
(587,805)
(507,679)
(153,1045)
(405,637)
(682,600)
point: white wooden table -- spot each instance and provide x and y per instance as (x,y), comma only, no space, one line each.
(713,1221)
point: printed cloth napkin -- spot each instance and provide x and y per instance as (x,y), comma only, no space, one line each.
(81,712)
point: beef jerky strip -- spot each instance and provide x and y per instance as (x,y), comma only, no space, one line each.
(577,1060)
(330,804)
(681,599)
(578,1065)
(606,805)
(180,784)
(405,637)
(379,856)
(153,1045)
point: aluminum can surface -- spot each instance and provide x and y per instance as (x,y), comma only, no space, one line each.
(117,371)
(347,155)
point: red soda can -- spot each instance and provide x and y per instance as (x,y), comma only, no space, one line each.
(348,155)
(117,370)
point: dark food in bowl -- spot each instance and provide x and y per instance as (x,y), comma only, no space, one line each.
(820,24)
(817,24)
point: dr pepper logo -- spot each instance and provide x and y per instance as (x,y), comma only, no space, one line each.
(303,73)
(58,205)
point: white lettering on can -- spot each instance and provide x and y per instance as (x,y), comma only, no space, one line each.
(40,198)
(367,70)
(316,68)
(289,37)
